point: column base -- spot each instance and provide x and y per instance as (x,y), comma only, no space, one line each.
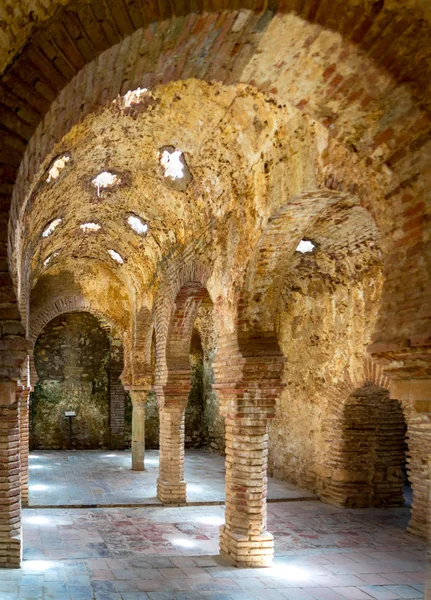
(138,456)
(246,550)
(24,495)
(171,493)
(10,553)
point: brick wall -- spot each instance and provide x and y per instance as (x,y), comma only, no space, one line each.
(117,397)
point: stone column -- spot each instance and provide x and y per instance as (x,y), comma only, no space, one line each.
(10,484)
(139,400)
(24,442)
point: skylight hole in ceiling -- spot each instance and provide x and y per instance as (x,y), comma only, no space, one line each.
(104,180)
(56,167)
(174,168)
(137,224)
(305,246)
(51,227)
(115,256)
(172,163)
(134,96)
(89,227)
(47,260)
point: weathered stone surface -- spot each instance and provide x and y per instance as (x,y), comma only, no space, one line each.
(75,362)
(310,120)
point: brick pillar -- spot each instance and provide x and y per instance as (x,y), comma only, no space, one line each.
(244,538)
(171,487)
(24,442)
(418,392)
(10,484)
(139,400)
(248,381)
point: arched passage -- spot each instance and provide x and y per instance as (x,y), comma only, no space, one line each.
(367,456)
(336,407)
(77,350)
(171,487)
(318,47)
(73,361)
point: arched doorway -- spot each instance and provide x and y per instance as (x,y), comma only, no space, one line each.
(73,361)
(184,387)
(367,463)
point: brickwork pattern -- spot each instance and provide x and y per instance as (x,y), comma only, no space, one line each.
(367,458)
(366,71)
(117,396)
(10,486)
(248,372)
(24,440)
(171,487)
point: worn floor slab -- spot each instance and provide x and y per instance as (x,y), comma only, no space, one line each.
(160,553)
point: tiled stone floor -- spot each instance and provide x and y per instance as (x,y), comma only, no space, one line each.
(59,478)
(160,553)
(171,553)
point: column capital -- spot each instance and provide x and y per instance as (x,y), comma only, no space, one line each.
(138,395)
(7,393)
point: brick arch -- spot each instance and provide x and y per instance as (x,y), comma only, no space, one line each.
(80,37)
(369,436)
(79,98)
(394,135)
(132,69)
(180,272)
(367,450)
(374,375)
(178,340)
(97,25)
(119,357)
(61,306)
(274,251)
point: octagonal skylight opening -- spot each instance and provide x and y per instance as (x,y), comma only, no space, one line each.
(137,224)
(171,161)
(104,180)
(51,227)
(57,167)
(305,246)
(175,171)
(50,258)
(89,227)
(115,256)
(134,96)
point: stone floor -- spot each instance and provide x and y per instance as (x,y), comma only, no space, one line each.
(171,553)
(161,553)
(82,478)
